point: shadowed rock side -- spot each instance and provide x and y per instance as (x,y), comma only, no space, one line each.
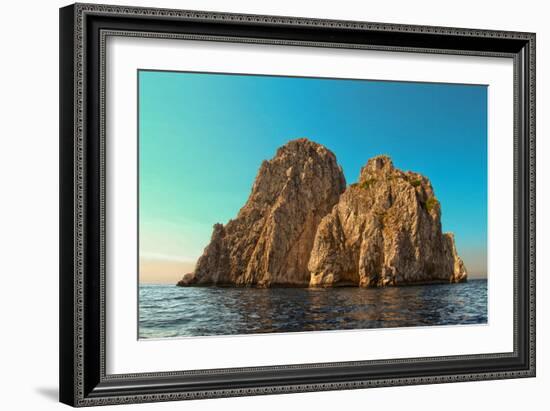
(385,230)
(269,242)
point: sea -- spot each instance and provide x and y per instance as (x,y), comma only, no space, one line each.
(167,311)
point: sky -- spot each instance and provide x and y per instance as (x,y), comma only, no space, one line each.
(203,136)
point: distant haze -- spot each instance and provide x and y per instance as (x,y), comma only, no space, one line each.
(202,138)
(163,271)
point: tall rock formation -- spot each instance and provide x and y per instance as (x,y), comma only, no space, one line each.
(302,227)
(385,230)
(269,242)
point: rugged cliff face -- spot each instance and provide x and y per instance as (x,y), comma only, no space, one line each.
(270,241)
(301,227)
(385,230)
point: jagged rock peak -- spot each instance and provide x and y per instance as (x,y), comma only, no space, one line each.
(302,145)
(385,230)
(270,240)
(378,165)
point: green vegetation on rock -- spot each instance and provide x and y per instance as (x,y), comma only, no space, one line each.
(431,203)
(367,183)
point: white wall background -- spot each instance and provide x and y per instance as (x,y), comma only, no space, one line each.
(29,204)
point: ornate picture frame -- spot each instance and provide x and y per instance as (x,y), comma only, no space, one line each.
(84,30)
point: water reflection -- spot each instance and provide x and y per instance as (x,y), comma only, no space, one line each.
(169,311)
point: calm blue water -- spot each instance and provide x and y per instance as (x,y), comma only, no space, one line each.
(170,311)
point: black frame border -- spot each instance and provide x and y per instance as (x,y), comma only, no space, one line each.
(83,30)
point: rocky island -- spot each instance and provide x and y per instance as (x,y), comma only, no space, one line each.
(302,227)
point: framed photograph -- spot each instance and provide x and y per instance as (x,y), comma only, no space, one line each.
(261,204)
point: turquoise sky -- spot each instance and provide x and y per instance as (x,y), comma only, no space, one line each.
(202,138)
